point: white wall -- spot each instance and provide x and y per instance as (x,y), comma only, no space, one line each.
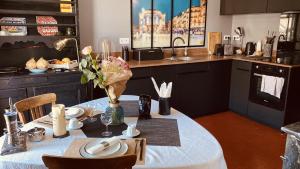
(110,19)
(256,25)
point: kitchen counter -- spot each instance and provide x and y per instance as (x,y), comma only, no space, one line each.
(201,58)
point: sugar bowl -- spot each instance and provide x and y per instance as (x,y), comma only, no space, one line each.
(36,134)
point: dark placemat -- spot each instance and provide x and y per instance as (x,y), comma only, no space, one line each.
(96,128)
(131,108)
(160,132)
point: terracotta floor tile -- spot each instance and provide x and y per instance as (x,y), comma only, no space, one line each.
(246,143)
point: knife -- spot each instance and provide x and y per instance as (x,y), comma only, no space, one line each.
(142,149)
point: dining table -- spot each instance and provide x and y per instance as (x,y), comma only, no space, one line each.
(198,148)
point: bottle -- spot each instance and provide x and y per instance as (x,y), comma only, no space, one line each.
(125,53)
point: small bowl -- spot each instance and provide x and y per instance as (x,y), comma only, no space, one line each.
(36,134)
(37,70)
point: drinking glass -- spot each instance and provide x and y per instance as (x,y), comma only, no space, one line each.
(106,119)
(92,108)
(144,107)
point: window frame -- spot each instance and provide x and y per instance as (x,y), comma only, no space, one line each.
(171,32)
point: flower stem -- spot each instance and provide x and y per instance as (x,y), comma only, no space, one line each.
(106,91)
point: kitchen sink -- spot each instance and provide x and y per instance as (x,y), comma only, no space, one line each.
(182,58)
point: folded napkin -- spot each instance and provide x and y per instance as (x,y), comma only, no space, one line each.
(103,145)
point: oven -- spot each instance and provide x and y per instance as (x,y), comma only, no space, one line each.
(262,98)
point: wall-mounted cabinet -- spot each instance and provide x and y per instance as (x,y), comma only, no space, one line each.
(229,7)
(278,6)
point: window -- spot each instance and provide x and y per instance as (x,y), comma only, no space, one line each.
(154,23)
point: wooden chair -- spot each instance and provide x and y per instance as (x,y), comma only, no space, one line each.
(122,162)
(34,105)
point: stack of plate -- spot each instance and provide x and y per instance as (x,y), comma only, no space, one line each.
(112,151)
(72,112)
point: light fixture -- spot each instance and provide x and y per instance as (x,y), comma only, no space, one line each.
(61,44)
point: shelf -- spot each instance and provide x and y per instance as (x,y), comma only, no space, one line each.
(40,1)
(34,24)
(37,36)
(28,12)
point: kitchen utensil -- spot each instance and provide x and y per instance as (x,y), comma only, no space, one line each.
(36,134)
(142,149)
(250,48)
(164,106)
(240,31)
(213,39)
(219,50)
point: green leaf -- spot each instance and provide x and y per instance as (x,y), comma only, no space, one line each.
(83,79)
(96,83)
(84,63)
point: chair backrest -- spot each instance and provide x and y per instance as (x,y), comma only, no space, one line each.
(122,162)
(34,105)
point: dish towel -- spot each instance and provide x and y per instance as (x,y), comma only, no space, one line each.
(272,85)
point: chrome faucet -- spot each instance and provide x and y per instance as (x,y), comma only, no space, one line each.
(173,57)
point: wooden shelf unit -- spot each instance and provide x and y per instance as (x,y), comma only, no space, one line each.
(29,9)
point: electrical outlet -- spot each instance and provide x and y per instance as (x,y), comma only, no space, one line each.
(227,37)
(124,41)
(236,38)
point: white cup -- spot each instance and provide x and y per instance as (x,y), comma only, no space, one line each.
(73,123)
(131,130)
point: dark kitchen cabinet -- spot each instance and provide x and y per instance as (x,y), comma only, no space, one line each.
(227,7)
(243,7)
(278,6)
(68,94)
(220,85)
(266,115)
(198,88)
(140,83)
(193,89)
(239,87)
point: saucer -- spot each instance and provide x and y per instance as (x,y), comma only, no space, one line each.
(80,124)
(137,133)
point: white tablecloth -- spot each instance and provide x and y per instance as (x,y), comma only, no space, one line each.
(199,149)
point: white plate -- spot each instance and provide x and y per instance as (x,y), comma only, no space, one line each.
(81,112)
(121,151)
(80,124)
(137,133)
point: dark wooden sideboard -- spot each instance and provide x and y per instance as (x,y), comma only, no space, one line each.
(66,85)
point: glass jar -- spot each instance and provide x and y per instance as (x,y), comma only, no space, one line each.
(117,113)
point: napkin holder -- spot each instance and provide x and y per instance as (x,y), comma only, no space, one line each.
(164,106)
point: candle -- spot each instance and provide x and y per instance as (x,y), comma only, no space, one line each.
(59,122)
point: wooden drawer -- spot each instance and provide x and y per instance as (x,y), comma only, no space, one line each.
(141,73)
(191,68)
(64,78)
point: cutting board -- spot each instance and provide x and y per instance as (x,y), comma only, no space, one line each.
(213,39)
